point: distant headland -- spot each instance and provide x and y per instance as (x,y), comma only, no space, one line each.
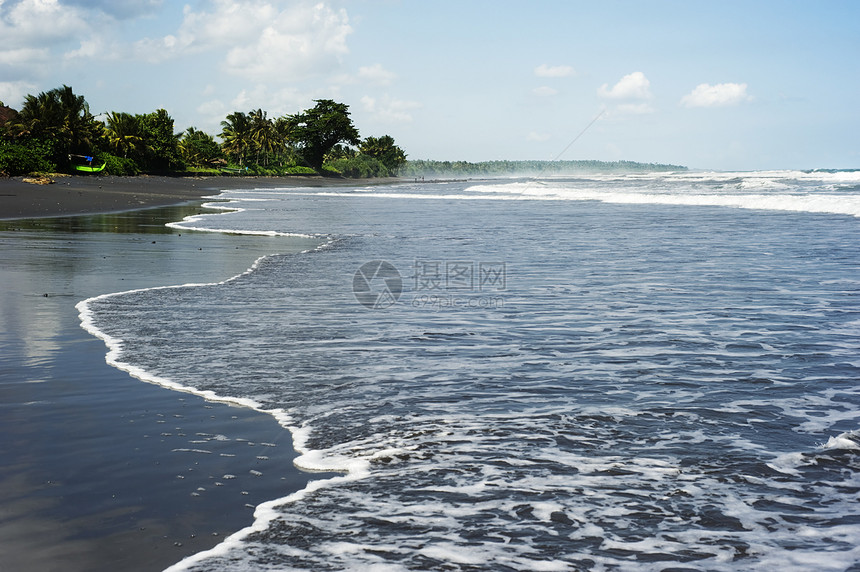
(55,131)
(427,168)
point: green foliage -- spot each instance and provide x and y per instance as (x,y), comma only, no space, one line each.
(198,148)
(236,136)
(21,158)
(264,137)
(340,152)
(358,167)
(298,170)
(202,171)
(327,171)
(55,126)
(119,166)
(124,134)
(162,144)
(58,116)
(504,168)
(147,140)
(316,131)
(384,149)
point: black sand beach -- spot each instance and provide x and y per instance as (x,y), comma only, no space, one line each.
(69,195)
(100,470)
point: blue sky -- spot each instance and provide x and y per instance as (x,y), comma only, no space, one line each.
(714,85)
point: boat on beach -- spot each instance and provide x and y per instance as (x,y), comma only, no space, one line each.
(88,167)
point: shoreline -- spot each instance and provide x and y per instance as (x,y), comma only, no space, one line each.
(104,471)
(79,195)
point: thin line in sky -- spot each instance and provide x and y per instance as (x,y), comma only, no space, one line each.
(581,133)
(563,151)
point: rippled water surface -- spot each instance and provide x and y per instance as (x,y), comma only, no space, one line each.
(635,372)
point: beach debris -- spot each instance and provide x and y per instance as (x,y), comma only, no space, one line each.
(41,180)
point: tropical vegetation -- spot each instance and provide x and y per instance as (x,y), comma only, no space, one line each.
(421,168)
(55,130)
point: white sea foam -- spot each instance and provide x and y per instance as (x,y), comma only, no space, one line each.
(849,441)
(192,222)
(115,345)
(308,459)
(793,191)
(482,448)
(815,203)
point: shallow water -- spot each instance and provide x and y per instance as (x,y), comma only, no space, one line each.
(632,372)
(100,471)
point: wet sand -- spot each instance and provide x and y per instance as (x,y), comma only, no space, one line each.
(100,470)
(70,195)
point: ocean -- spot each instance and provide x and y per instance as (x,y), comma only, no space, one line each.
(598,372)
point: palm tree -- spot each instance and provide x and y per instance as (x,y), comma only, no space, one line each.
(262,134)
(384,150)
(39,117)
(78,122)
(59,117)
(124,134)
(236,135)
(198,147)
(282,128)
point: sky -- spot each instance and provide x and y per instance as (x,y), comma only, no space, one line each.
(724,85)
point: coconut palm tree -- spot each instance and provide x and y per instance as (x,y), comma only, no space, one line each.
(236,135)
(60,118)
(124,134)
(283,127)
(263,136)
(198,148)
(384,150)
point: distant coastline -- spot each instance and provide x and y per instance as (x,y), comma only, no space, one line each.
(430,168)
(89,194)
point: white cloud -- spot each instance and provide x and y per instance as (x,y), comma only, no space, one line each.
(38,25)
(12,92)
(38,36)
(228,23)
(631,86)
(211,113)
(23,56)
(545,91)
(389,110)
(300,43)
(157,50)
(244,100)
(120,9)
(263,41)
(277,102)
(214,108)
(719,95)
(376,74)
(92,49)
(545,70)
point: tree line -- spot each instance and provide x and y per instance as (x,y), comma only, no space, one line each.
(55,130)
(419,168)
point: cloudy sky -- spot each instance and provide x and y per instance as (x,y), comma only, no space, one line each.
(709,84)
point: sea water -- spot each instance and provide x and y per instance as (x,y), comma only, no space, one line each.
(632,372)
